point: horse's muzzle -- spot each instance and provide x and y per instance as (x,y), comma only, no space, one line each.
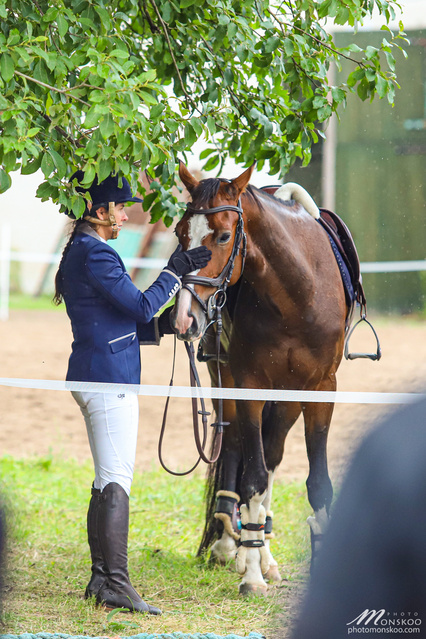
(192,333)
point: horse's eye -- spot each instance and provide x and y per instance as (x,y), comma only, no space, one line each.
(224,238)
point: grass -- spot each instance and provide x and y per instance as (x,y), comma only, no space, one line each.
(48,557)
(23,301)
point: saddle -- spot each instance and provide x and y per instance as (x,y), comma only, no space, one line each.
(342,238)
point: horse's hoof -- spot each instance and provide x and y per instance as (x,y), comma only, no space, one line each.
(272,575)
(253,590)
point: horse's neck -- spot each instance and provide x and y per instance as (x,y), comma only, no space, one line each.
(274,254)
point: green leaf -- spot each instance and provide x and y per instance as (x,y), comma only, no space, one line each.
(105,168)
(62,23)
(32,167)
(212,163)
(381,86)
(107,126)
(47,164)
(206,152)
(198,127)
(7,67)
(190,135)
(147,97)
(119,53)
(149,199)
(5,181)
(59,162)
(44,191)
(337,94)
(89,175)
(371,52)
(14,38)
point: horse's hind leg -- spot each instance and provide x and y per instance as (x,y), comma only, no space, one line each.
(320,491)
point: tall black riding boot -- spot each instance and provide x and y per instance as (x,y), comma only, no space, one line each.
(98,577)
(113,526)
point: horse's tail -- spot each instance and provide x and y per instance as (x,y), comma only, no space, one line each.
(213,484)
(293,191)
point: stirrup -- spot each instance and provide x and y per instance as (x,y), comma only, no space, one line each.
(373,356)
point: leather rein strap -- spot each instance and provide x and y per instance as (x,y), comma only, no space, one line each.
(201,445)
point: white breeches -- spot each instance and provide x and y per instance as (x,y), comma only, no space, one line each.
(112,427)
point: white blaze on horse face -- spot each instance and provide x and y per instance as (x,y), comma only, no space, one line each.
(197,231)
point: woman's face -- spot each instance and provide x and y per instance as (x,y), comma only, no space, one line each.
(120,215)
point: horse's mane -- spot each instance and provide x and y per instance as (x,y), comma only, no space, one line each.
(207,190)
(252,192)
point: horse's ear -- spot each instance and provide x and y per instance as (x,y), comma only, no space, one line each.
(189,180)
(241,181)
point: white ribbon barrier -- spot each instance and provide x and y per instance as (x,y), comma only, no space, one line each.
(338,397)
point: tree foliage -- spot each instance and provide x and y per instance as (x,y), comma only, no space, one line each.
(130,85)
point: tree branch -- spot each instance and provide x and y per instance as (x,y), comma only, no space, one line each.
(63,132)
(48,86)
(152,25)
(50,28)
(320,42)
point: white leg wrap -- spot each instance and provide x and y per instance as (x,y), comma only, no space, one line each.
(226,517)
(253,561)
(227,525)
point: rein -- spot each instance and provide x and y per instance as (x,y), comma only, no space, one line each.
(213,310)
(195,383)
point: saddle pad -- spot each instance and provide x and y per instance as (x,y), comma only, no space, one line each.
(344,272)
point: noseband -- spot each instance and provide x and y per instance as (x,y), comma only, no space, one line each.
(221,282)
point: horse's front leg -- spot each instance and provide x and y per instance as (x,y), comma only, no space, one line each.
(223,499)
(252,555)
(224,549)
(320,491)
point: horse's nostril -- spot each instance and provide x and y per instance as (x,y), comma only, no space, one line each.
(193,329)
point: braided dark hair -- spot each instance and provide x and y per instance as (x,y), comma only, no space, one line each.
(58,297)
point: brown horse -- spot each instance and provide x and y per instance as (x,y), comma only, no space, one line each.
(283,328)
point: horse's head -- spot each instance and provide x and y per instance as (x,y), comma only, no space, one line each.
(214,218)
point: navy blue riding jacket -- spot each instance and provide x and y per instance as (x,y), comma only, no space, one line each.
(109,315)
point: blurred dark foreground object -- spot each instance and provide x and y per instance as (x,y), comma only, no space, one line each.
(371,571)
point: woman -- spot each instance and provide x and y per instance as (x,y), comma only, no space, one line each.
(110,317)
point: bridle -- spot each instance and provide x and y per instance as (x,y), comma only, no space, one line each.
(217,300)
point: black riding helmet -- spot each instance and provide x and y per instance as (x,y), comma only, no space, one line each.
(107,193)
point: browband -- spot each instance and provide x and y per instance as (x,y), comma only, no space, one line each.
(215,209)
